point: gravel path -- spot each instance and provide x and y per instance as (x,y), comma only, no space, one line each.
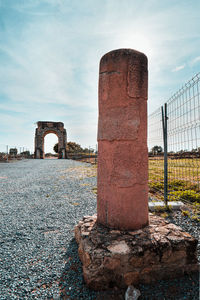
(40,202)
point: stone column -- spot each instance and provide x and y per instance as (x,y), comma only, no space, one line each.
(122,201)
(37,145)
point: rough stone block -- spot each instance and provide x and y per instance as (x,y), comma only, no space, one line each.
(121,258)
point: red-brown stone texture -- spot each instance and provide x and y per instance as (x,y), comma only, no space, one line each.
(121,258)
(122,201)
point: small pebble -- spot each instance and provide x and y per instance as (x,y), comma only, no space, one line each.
(38,253)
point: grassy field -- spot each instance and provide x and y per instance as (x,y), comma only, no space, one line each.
(184,182)
(183,178)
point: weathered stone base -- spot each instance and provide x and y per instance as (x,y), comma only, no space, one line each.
(121,258)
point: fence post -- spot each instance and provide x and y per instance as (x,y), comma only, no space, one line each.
(7,152)
(96,155)
(164,125)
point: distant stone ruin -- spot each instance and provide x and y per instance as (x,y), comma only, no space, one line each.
(13,151)
(44,128)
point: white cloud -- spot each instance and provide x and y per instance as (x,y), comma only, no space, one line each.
(50,68)
(195,60)
(176,69)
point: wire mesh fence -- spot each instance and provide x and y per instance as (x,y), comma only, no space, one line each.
(183,145)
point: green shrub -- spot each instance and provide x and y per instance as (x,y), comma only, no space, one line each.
(187,195)
(186,213)
(196,218)
(196,207)
(156,186)
(176,184)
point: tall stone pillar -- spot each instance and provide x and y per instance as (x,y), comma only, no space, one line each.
(121,257)
(122,201)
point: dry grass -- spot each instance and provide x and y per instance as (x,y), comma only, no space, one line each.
(183,178)
(81,172)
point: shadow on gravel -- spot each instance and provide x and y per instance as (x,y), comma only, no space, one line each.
(72,283)
(186,287)
(73,286)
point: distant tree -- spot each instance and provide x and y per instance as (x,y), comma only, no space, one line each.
(180,152)
(87,150)
(13,151)
(25,153)
(156,149)
(71,147)
(48,154)
(55,148)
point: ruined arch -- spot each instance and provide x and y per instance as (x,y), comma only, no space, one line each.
(44,128)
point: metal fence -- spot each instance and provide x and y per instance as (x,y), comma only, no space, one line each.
(174,145)
(8,152)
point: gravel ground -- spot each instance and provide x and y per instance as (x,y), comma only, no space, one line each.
(40,202)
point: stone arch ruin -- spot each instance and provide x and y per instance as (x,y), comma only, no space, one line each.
(44,128)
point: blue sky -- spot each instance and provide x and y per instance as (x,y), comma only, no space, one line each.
(50,52)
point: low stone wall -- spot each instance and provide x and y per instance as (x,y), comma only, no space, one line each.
(121,258)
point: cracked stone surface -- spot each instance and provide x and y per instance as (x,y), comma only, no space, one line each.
(122,182)
(112,257)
